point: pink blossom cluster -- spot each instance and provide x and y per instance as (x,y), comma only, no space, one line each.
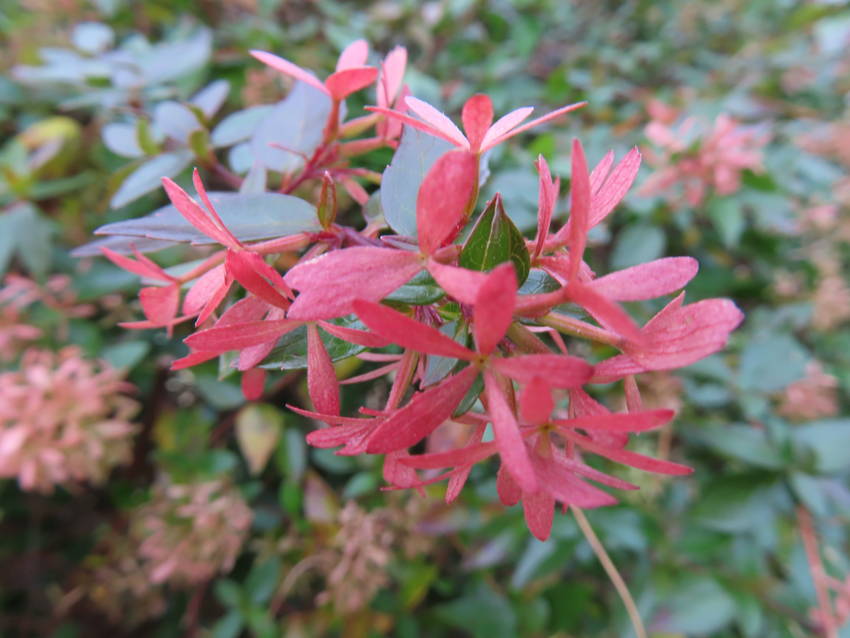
(191,531)
(64,419)
(697,158)
(511,379)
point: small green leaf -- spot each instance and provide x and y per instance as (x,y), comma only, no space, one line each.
(421,290)
(262,580)
(291,351)
(147,177)
(494,240)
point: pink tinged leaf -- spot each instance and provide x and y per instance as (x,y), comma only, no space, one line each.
(252,356)
(213,213)
(253,383)
(203,290)
(614,189)
(439,121)
(360,337)
(547,193)
(539,510)
(392,74)
(456,483)
(328,284)
(616,368)
(354,54)
(512,448)
(141,268)
(468,455)
(192,359)
(494,307)
(292,70)
(687,335)
(443,198)
(605,311)
(647,281)
(567,488)
(355,191)
(422,415)
(582,404)
(535,122)
(506,487)
(559,371)
(499,131)
(239,336)
(196,215)
(416,123)
(343,83)
(397,473)
(460,283)
(626,457)
(634,403)
(408,333)
(245,268)
(160,303)
(594,475)
(146,324)
(535,401)
(619,422)
(215,300)
(321,377)
(372,374)
(335,419)
(477,117)
(579,208)
(600,172)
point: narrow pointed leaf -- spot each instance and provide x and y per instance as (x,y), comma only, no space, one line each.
(321,378)
(512,448)
(494,308)
(647,281)
(443,198)
(559,371)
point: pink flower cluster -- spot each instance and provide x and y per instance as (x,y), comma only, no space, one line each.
(64,419)
(509,379)
(191,531)
(697,158)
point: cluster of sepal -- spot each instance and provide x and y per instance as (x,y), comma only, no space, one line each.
(485,346)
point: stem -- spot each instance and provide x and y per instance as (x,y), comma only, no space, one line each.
(526,340)
(578,328)
(611,570)
(810,542)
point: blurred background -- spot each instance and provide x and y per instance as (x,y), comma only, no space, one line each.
(168,507)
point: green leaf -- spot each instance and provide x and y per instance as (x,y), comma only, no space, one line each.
(239,126)
(25,233)
(736,503)
(728,218)
(402,178)
(248,216)
(262,580)
(121,139)
(481,612)
(538,282)
(126,354)
(829,440)
(421,290)
(228,593)
(147,177)
(696,607)
(228,627)
(742,442)
(495,240)
(291,350)
(291,454)
(770,362)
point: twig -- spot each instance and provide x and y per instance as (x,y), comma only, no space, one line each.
(810,542)
(611,570)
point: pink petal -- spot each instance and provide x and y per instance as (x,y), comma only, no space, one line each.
(360,337)
(408,333)
(507,488)
(477,117)
(417,124)
(535,401)
(615,368)
(494,307)
(438,120)
(460,283)
(196,215)
(620,422)
(341,84)
(251,271)
(647,281)
(396,473)
(605,311)
(160,303)
(354,54)
(239,336)
(600,172)
(503,125)
(547,193)
(535,122)
(288,68)
(539,510)
(392,75)
(443,199)
(559,371)
(328,284)
(579,208)
(192,359)
(632,459)
(213,213)
(559,481)
(203,290)
(512,448)
(145,268)
(469,455)
(425,412)
(615,187)
(321,378)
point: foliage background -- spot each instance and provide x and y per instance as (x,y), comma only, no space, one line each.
(715,554)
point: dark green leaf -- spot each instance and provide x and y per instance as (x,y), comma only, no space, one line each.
(770,362)
(495,240)
(291,351)
(421,290)
(148,176)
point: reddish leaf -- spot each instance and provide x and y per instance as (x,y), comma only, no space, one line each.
(512,448)
(499,131)
(292,70)
(239,336)
(360,337)
(579,208)
(506,487)
(196,215)
(494,307)
(628,422)
(321,378)
(422,415)
(647,281)
(160,303)
(438,121)
(328,284)
(559,371)
(142,268)
(605,311)
(492,141)
(460,283)
(257,277)
(443,198)
(355,54)
(202,193)
(615,187)
(468,455)
(203,290)
(632,459)
(600,172)
(539,510)
(343,83)
(477,117)
(253,383)
(547,194)
(535,401)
